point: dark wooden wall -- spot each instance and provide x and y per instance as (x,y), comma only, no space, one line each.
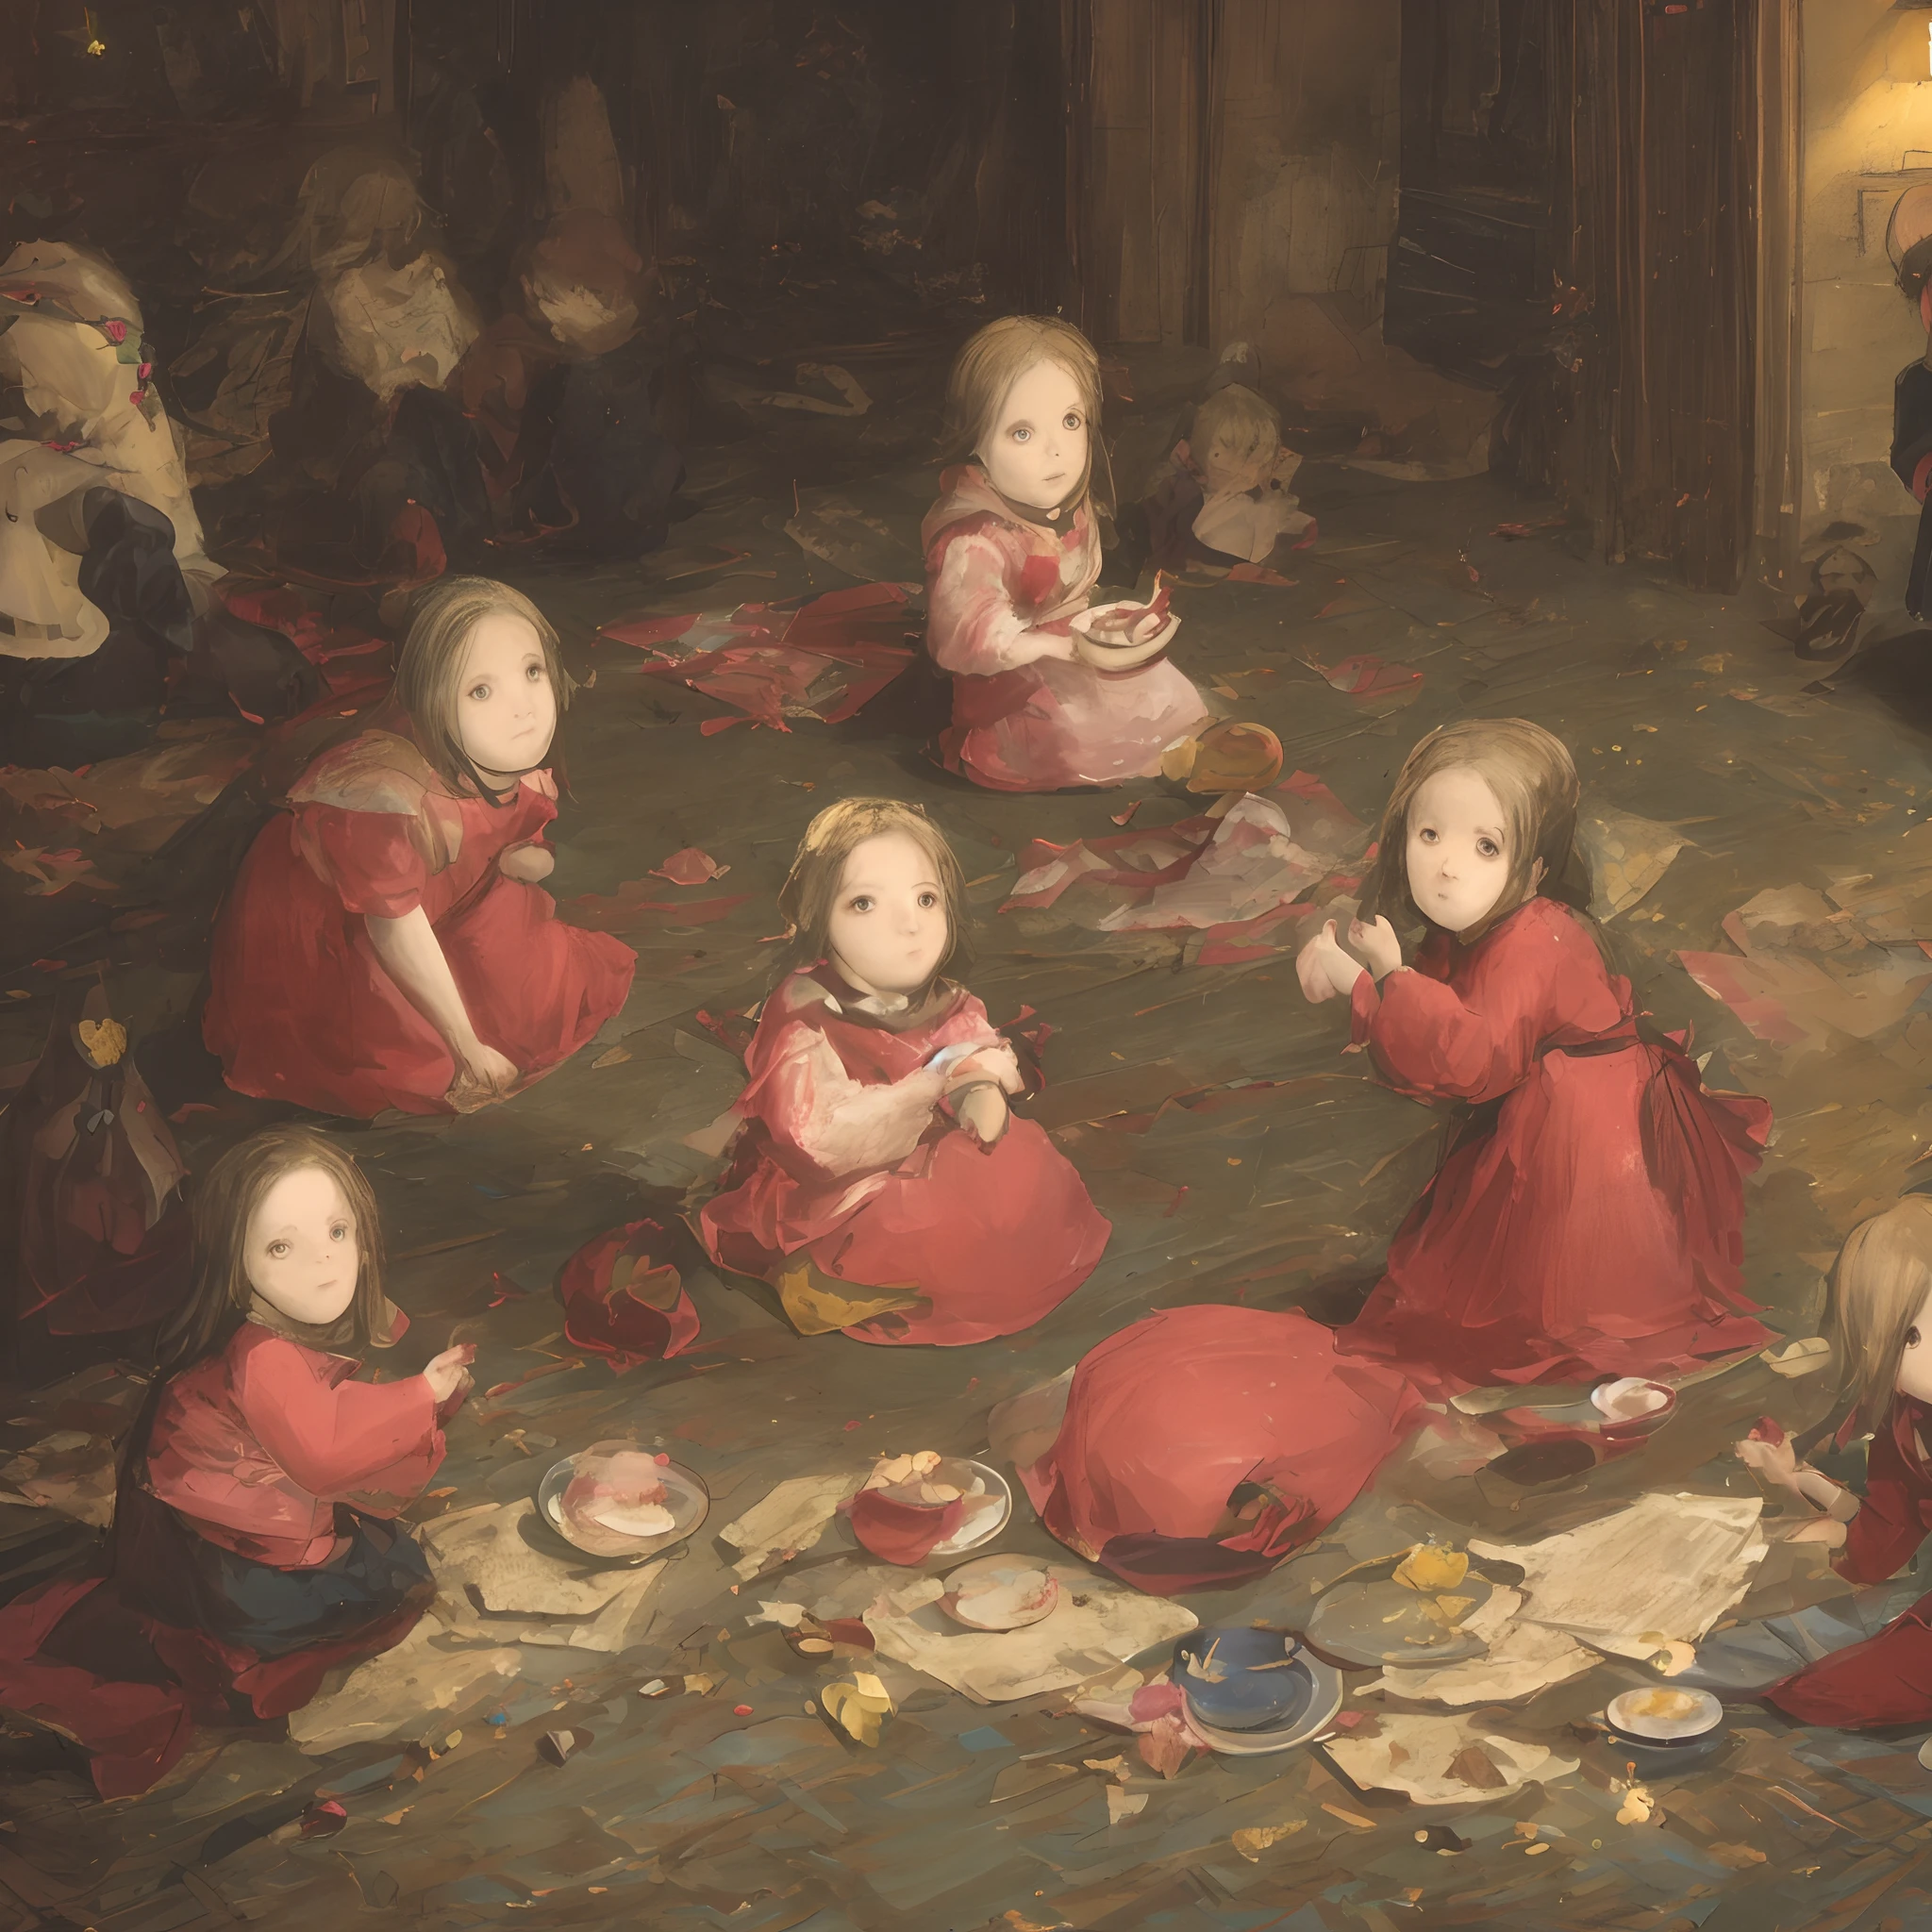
(1655,226)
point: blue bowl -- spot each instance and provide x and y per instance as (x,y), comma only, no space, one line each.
(1253,1687)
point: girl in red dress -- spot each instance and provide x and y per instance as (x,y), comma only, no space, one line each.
(878,1179)
(1588,1219)
(255,1544)
(1202,1445)
(1877,1666)
(385,944)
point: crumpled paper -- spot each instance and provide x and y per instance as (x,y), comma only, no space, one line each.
(791,1517)
(1443,1761)
(1522,1657)
(1662,1571)
(1627,857)
(1082,1639)
(422,1674)
(488,1573)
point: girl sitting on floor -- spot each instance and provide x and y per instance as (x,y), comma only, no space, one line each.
(1865,1660)
(1011,554)
(255,1544)
(385,944)
(879,1180)
(1588,1219)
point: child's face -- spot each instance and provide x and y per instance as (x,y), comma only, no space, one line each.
(1457,855)
(889,930)
(506,709)
(1036,451)
(1915,1364)
(303,1251)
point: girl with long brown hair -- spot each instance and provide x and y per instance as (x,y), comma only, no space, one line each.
(879,1181)
(387,943)
(1589,1216)
(256,1542)
(1012,553)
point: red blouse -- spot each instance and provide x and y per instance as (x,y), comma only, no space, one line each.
(257,1445)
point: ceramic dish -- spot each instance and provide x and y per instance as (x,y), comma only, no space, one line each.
(986,1524)
(1106,657)
(1662,1714)
(1384,1622)
(1000,1593)
(1632,1406)
(688,1501)
(1240,1678)
(1325,1694)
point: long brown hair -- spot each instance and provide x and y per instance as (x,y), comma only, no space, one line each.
(225,1201)
(994,358)
(811,887)
(1534,777)
(431,666)
(1878,1285)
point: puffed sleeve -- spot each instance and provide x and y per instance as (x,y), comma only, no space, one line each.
(973,626)
(374,1445)
(1890,1523)
(371,858)
(825,1125)
(1428,1038)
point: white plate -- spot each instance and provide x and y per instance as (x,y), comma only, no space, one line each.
(1118,658)
(986,1524)
(999,1567)
(689,1502)
(1325,1693)
(1629,1715)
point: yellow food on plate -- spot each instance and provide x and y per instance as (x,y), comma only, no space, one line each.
(1430,1568)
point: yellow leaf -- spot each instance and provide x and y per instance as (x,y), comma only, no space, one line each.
(1429,1568)
(1256,1840)
(103,1041)
(613,1057)
(857,1712)
(1122,1805)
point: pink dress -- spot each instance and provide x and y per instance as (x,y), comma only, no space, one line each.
(301,1008)
(841,1162)
(1589,1220)
(1021,721)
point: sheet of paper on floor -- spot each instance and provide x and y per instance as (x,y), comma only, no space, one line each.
(792,1517)
(423,1675)
(1663,1569)
(1413,1753)
(1627,857)
(1522,1657)
(1078,1642)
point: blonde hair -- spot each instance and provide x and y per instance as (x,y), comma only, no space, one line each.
(811,887)
(1878,1285)
(1534,777)
(227,1199)
(985,371)
(1244,422)
(431,666)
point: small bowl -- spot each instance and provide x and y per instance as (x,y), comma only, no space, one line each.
(1115,659)
(689,1502)
(982,1526)
(1324,1698)
(967,1603)
(1633,1406)
(1664,1714)
(1260,1684)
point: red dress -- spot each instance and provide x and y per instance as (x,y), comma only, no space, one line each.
(1167,1419)
(301,1007)
(844,1163)
(1887,1678)
(254,1550)
(1595,1227)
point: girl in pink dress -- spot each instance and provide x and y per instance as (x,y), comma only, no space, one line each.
(385,944)
(1588,1219)
(1011,554)
(255,1544)
(878,1179)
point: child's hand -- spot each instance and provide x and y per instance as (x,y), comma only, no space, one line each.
(996,1063)
(1776,1462)
(483,1077)
(1378,945)
(450,1371)
(529,862)
(983,1113)
(1326,973)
